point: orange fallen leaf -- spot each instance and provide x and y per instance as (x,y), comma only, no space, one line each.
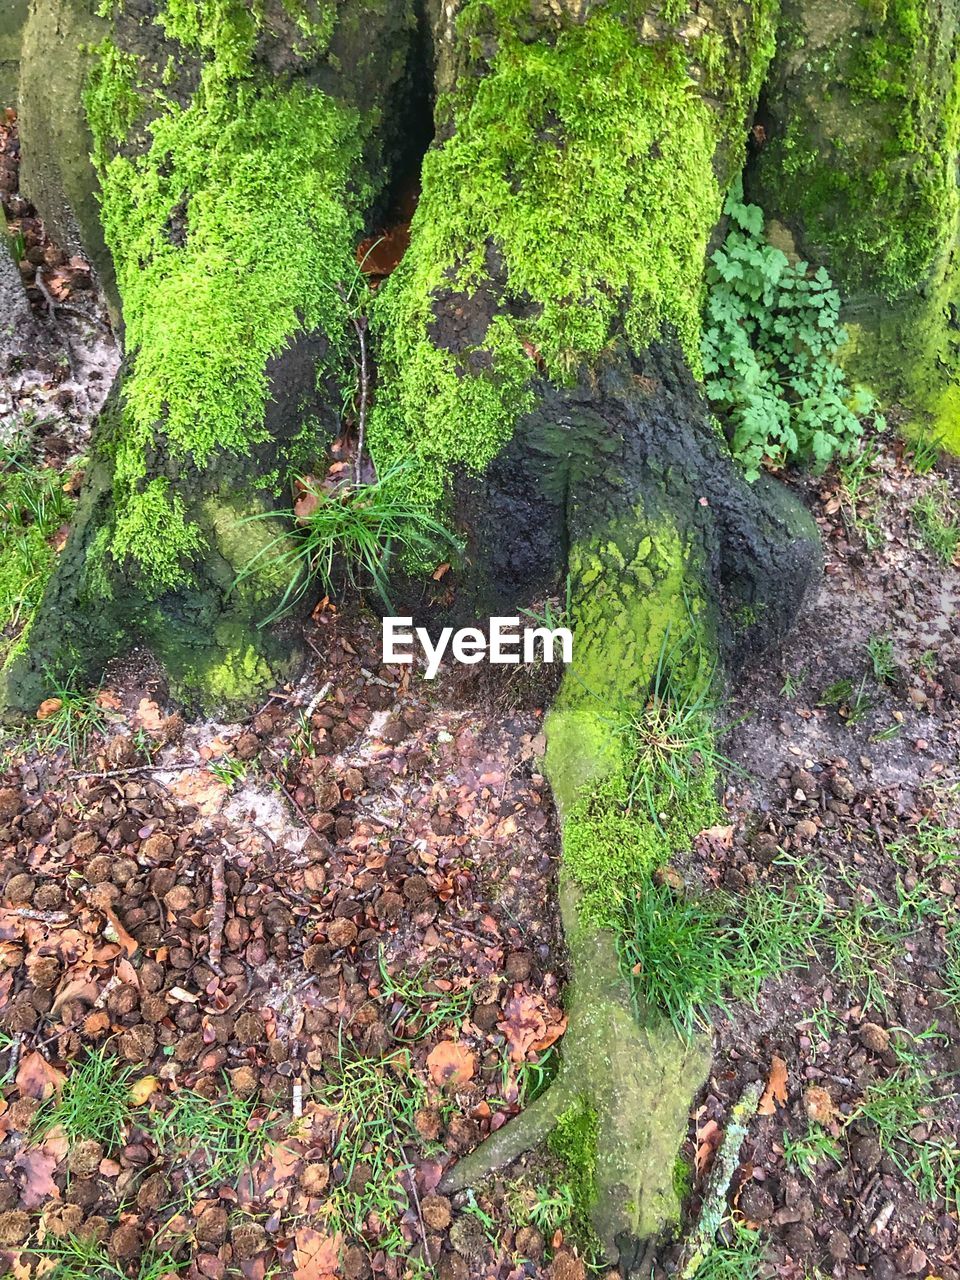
(722,835)
(36,1078)
(315,1255)
(440,570)
(708,1139)
(451,1063)
(776,1090)
(48,707)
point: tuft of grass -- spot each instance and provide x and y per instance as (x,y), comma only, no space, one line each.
(222,1131)
(810,1149)
(374,1101)
(924,455)
(851,701)
(882,662)
(938,524)
(553,1209)
(73,1258)
(738,1255)
(33,506)
(670,741)
(69,719)
(421,1012)
(364,527)
(229,770)
(93,1103)
(685,955)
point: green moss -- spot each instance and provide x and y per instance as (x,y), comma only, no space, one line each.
(682,1178)
(574,1141)
(612,146)
(112,99)
(212,286)
(637,612)
(872,176)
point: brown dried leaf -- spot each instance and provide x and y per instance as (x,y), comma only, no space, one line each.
(776,1090)
(451,1063)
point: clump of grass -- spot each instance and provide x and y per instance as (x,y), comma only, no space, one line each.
(670,742)
(93,1103)
(364,527)
(938,524)
(33,506)
(687,954)
(924,455)
(69,719)
(851,701)
(73,1258)
(421,1012)
(374,1101)
(810,1149)
(882,662)
(737,1255)
(223,1132)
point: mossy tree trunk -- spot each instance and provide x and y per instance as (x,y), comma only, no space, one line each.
(857,155)
(536,353)
(538,350)
(218,161)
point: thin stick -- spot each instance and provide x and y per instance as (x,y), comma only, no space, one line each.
(218,915)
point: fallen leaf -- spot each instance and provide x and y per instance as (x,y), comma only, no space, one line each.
(524,1023)
(723,835)
(440,570)
(36,1078)
(315,1255)
(451,1063)
(708,1139)
(776,1090)
(37,1165)
(48,707)
(141,1090)
(149,715)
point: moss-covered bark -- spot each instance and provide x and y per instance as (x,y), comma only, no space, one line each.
(861,119)
(536,352)
(12,18)
(235,152)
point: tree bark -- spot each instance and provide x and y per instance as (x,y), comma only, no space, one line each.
(860,121)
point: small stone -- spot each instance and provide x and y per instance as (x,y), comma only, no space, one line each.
(436,1212)
(756,1202)
(874,1037)
(865,1152)
(84,1158)
(529,1243)
(566,1266)
(911,1259)
(315,1179)
(818,1105)
(843,788)
(839,1246)
(805,829)
(212,1225)
(249,1028)
(354,1264)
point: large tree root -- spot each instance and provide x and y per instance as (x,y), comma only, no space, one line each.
(637,1078)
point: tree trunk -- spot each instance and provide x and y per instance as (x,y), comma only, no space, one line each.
(538,350)
(536,346)
(858,157)
(234,160)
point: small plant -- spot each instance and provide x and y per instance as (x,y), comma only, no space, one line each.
(374,1101)
(222,1131)
(770,342)
(553,1208)
(93,1103)
(229,770)
(792,683)
(924,455)
(882,662)
(555,612)
(851,702)
(737,1255)
(938,525)
(69,719)
(670,740)
(685,955)
(73,1258)
(364,526)
(421,1012)
(810,1149)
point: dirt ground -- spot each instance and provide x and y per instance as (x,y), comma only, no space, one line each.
(319,949)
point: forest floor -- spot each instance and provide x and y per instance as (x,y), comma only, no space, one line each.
(262,983)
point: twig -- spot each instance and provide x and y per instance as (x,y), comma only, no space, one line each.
(138,768)
(218,915)
(360,324)
(714,1207)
